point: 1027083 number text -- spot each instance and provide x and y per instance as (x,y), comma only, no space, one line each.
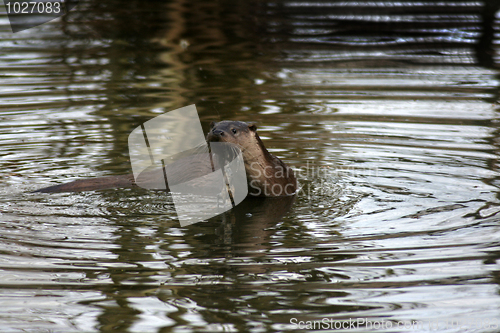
(33,7)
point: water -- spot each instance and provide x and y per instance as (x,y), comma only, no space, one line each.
(387,111)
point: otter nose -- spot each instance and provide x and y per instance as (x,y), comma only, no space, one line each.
(215,135)
(218,132)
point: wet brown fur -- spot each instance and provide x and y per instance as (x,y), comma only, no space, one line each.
(267,175)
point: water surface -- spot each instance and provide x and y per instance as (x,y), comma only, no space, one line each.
(387,111)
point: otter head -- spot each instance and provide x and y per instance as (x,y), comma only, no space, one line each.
(238,133)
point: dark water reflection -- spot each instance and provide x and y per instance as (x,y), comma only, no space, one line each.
(388,111)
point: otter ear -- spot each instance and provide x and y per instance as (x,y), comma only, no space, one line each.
(212,124)
(252,127)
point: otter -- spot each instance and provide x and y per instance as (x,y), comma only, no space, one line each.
(267,175)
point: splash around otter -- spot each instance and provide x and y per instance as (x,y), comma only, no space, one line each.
(267,175)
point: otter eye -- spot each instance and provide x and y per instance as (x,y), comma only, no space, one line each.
(234,131)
